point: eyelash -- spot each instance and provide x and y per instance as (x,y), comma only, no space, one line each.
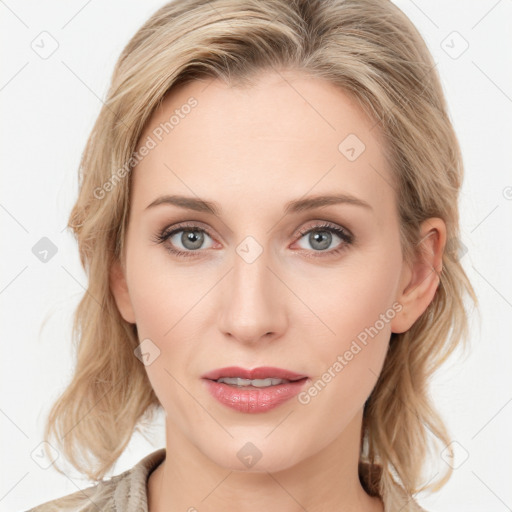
(345,236)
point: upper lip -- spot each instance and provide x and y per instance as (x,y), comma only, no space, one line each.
(262,372)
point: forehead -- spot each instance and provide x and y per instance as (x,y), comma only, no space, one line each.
(284,136)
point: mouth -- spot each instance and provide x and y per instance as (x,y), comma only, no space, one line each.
(261,377)
(254,383)
(253,391)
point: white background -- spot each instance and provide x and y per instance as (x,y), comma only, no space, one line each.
(48,109)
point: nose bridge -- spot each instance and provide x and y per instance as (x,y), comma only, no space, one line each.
(251,302)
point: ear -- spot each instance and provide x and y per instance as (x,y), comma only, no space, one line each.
(119,289)
(419,281)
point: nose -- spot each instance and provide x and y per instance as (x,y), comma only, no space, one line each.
(252,302)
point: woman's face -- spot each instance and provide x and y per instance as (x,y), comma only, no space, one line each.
(262,283)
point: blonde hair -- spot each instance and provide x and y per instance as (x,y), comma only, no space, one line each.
(370,50)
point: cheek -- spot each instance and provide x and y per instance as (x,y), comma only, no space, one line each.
(161,292)
(168,301)
(356,307)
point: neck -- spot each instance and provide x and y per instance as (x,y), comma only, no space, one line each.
(328,480)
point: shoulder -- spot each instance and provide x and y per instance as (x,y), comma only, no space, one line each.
(126,491)
(96,497)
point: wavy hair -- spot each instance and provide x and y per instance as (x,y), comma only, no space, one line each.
(371,51)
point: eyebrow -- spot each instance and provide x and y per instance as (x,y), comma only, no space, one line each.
(296,206)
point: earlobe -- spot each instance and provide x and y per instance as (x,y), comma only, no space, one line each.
(420,280)
(119,288)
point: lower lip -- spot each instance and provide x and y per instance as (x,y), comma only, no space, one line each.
(253,400)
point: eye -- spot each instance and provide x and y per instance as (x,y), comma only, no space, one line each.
(320,238)
(184,240)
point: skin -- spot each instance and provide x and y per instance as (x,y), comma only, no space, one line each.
(252,150)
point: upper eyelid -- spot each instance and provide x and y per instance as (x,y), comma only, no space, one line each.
(326,225)
(186,225)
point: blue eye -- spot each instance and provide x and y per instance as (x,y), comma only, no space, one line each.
(190,239)
(193,236)
(321,236)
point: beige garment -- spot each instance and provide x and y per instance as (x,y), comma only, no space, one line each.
(127,492)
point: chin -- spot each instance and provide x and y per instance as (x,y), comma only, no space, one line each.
(254,455)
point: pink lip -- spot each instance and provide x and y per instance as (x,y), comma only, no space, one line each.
(263,372)
(251,399)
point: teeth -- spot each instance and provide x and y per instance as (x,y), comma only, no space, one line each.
(258,383)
